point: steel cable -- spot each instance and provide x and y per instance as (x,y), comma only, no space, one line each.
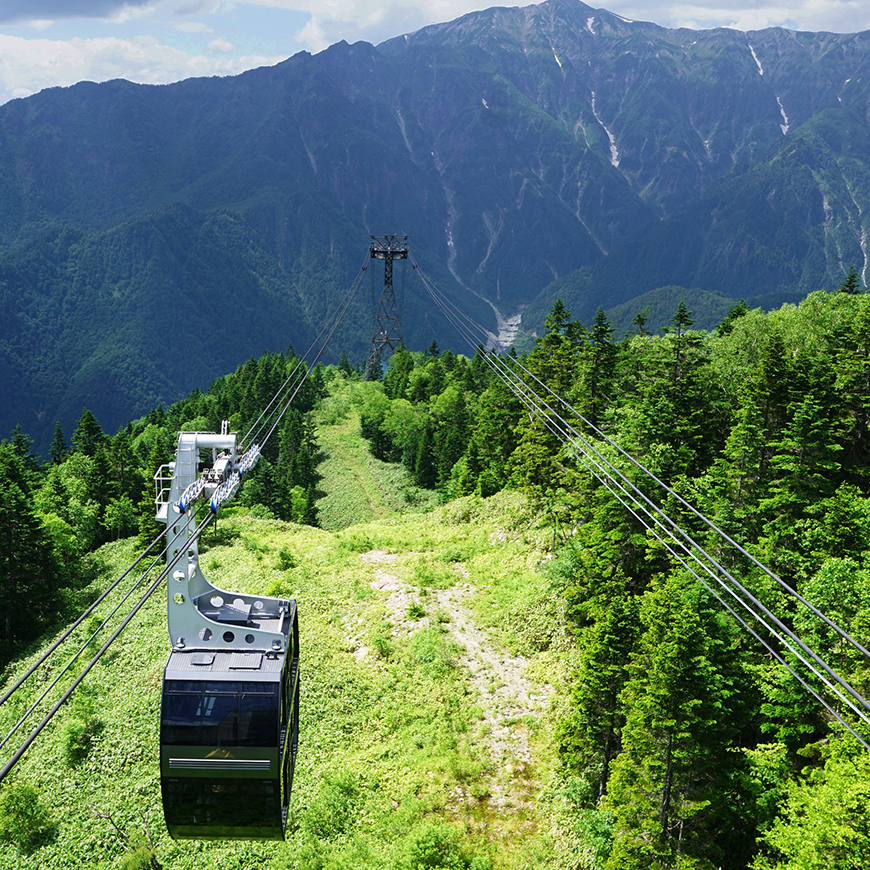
(87,669)
(85,645)
(689,547)
(67,632)
(568,434)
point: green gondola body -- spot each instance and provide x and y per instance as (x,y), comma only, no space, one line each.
(229,728)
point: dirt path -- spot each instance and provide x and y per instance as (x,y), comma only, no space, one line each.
(507,698)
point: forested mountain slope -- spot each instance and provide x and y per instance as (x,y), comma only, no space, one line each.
(651,730)
(515,147)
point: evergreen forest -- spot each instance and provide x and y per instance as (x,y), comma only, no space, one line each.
(672,739)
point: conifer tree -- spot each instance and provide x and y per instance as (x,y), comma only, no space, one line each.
(396,379)
(425,469)
(88,435)
(682,319)
(344,365)
(735,312)
(590,737)
(22,444)
(374,368)
(57,450)
(671,415)
(853,381)
(640,320)
(669,790)
(450,417)
(600,362)
(851,283)
(480,370)
(266,485)
(29,571)
(125,470)
(494,437)
(555,361)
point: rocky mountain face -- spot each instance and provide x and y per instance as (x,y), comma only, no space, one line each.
(732,161)
(154,237)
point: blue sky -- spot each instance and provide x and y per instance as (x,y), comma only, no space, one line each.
(45,43)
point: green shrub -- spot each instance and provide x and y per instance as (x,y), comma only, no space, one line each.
(141,858)
(436,846)
(453,553)
(286,559)
(435,575)
(330,814)
(253,546)
(416,611)
(431,651)
(357,542)
(536,622)
(383,640)
(77,737)
(24,821)
(261,512)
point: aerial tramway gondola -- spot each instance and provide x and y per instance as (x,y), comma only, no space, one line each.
(229,718)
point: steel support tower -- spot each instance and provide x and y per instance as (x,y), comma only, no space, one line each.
(388,328)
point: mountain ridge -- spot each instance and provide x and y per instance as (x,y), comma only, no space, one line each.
(515,146)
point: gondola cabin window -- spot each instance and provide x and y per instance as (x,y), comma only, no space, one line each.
(217,713)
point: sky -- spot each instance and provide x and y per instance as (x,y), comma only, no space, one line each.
(49,43)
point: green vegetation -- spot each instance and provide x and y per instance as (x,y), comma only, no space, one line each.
(501,668)
(24,820)
(762,425)
(357,486)
(393,767)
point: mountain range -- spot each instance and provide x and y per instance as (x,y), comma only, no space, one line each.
(154,237)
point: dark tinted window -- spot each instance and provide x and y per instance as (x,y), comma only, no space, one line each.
(224,802)
(220,719)
(182,718)
(220,714)
(258,720)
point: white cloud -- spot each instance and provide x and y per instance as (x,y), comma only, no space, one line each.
(29,65)
(173,11)
(191,27)
(160,41)
(332,20)
(844,16)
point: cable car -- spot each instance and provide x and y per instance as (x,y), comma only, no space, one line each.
(229,729)
(229,715)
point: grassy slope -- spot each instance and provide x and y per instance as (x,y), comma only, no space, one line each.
(395,738)
(359,488)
